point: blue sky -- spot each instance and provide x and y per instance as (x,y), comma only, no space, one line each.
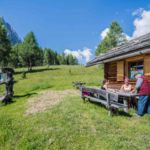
(70,24)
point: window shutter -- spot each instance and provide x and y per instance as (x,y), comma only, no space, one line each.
(120,70)
(147,66)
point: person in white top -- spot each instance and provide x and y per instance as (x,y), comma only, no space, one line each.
(126,87)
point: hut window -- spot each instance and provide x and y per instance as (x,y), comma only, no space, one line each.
(135,67)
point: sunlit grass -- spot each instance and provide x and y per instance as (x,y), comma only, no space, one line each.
(72,124)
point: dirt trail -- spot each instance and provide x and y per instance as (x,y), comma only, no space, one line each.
(47,99)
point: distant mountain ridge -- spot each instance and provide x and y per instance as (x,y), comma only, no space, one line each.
(11,33)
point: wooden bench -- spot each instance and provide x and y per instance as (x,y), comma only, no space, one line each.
(109,99)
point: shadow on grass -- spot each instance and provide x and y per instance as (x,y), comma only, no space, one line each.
(115,111)
(122,113)
(25,95)
(2,103)
(37,70)
(16,96)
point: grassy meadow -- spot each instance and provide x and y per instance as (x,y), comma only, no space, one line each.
(69,124)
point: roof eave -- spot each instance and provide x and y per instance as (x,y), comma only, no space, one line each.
(145,51)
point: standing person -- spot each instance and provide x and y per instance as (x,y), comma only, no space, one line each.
(143,90)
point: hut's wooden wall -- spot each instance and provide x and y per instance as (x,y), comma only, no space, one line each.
(110,71)
(116,71)
(147,66)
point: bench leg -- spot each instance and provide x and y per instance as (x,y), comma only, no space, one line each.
(110,112)
(125,102)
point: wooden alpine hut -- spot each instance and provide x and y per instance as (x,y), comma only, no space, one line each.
(125,61)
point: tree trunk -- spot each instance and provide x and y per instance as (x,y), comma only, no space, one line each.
(30,66)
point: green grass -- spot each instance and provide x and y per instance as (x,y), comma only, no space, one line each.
(72,124)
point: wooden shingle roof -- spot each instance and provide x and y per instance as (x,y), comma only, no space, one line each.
(134,47)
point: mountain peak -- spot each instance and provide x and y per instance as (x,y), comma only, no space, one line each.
(11,33)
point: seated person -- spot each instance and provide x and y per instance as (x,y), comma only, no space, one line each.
(105,84)
(126,87)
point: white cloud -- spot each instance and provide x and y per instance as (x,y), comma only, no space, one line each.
(86,53)
(74,53)
(83,56)
(104,33)
(142,24)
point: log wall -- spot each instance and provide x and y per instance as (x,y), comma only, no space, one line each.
(110,71)
(116,71)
